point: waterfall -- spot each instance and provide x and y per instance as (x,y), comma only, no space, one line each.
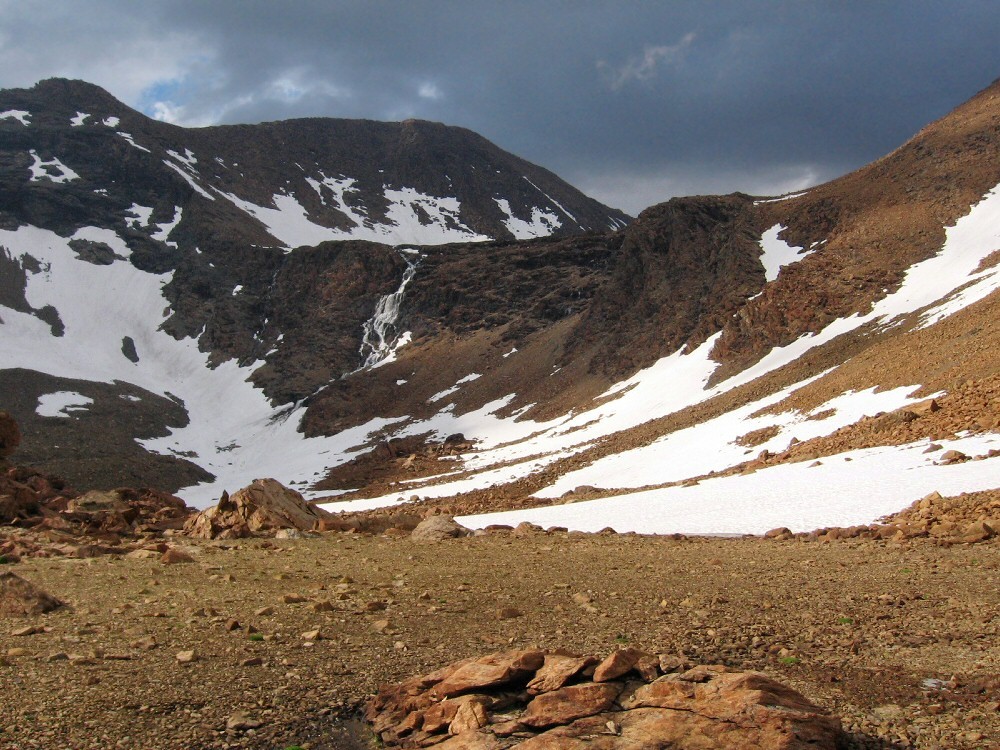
(379,335)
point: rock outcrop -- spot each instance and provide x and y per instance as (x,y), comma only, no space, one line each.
(438,528)
(32,500)
(21,598)
(263,507)
(541,700)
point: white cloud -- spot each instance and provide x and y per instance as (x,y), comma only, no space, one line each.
(644,66)
(429,91)
(167,112)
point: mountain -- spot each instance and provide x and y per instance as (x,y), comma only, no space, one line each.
(721,363)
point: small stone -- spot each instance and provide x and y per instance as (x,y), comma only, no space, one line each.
(253,661)
(312,635)
(232,624)
(240,722)
(294,599)
(509,613)
(175,557)
(186,657)
(264,612)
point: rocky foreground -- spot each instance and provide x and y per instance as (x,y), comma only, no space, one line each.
(273,643)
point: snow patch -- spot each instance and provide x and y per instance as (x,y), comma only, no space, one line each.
(779,199)
(16,114)
(80,119)
(163,230)
(128,137)
(458,384)
(61,403)
(190,181)
(111,122)
(777,253)
(138,216)
(187,158)
(554,202)
(542,223)
(52,170)
(290,224)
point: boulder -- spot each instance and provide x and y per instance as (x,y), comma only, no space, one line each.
(617,664)
(10,435)
(489,671)
(21,598)
(545,701)
(557,670)
(437,528)
(263,507)
(570,703)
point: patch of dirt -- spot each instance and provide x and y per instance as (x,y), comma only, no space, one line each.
(756,437)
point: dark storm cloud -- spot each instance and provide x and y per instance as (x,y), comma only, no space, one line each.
(633,102)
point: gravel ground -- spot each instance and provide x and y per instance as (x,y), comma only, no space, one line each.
(899,639)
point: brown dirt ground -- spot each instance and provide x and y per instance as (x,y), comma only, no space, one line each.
(900,639)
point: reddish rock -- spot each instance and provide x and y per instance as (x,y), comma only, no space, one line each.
(781,533)
(19,598)
(490,671)
(714,699)
(470,741)
(175,557)
(263,507)
(557,670)
(617,664)
(705,708)
(570,703)
(471,716)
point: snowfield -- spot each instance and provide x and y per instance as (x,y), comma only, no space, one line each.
(844,490)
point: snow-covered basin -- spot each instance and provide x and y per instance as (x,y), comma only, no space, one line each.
(847,489)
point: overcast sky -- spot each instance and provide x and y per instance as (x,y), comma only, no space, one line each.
(633,102)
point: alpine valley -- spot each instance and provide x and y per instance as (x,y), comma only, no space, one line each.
(650,466)
(398,311)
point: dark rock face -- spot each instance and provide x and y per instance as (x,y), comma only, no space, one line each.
(684,268)
(10,434)
(96,447)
